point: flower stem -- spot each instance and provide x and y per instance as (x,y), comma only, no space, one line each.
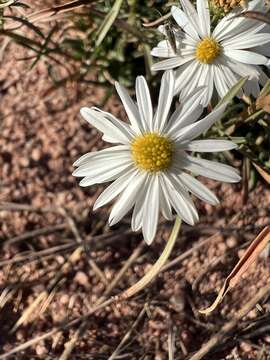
(153,272)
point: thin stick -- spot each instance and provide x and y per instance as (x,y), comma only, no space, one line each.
(128,334)
(159,21)
(229,326)
(34,233)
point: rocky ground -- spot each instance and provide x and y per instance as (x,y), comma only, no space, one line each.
(59,258)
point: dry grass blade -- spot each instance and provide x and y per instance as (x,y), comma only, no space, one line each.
(48,13)
(108,21)
(171,343)
(6,295)
(262,172)
(250,255)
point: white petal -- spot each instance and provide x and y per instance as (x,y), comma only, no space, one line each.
(251,87)
(113,129)
(144,103)
(246,57)
(164,201)
(210,169)
(102,163)
(242,69)
(210,145)
(126,199)
(230,78)
(184,22)
(151,210)
(185,75)
(190,132)
(198,189)
(114,189)
(171,63)
(187,113)
(230,26)
(164,100)
(137,215)
(106,174)
(247,43)
(180,200)
(204,16)
(131,109)
(192,15)
(105,153)
(199,79)
(163,52)
(109,175)
(219,81)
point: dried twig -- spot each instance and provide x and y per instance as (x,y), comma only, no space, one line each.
(128,334)
(35,233)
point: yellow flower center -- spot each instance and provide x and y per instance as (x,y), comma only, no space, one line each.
(152,152)
(207,50)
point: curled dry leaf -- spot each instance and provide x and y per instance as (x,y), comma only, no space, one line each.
(250,255)
(263,102)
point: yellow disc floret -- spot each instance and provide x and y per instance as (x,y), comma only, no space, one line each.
(152,152)
(207,50)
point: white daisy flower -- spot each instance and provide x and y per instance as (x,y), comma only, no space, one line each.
(150,165)
(215,58)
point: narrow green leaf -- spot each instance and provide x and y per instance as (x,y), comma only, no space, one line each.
(108,21)
(233,91)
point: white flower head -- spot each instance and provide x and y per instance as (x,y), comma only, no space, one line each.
(150,163)
(215,58)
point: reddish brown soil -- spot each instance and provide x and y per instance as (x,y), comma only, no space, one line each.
(41,136)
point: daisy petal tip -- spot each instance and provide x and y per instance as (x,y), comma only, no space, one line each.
(155,67)
(173,9)
(235,178)
(84,111)
(82,183)
(75,173)
(215,201)
(96,206)
(148,239)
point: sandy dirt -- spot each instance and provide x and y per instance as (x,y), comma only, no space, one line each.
(41,136)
